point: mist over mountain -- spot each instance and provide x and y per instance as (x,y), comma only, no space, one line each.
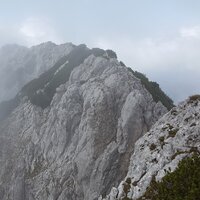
(165,162)
(57,62)
(77,125)
(99,100)
(19,64)
(63,130)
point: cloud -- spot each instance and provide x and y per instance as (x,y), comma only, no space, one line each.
(29,32)
(191,32)
(172,61)
(36,30)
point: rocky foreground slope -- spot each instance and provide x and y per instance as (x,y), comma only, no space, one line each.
(175,136)
(76,143)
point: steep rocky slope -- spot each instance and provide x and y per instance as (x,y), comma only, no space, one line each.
(41,90)
(79,145)
(19,64)
(175,136)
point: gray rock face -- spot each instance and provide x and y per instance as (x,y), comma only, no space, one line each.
(175,136)
(19,65)
(80,146)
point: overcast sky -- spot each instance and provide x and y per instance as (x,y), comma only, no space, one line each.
(160,38)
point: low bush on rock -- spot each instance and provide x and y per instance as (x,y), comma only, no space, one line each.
(182,184)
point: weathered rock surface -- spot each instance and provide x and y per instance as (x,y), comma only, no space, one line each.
(19,64)
(175,136)
(79,146)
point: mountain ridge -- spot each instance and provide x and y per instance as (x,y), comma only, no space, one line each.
(67,150)
(40,90)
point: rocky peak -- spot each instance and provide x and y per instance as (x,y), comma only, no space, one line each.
(172,138)
(78,146)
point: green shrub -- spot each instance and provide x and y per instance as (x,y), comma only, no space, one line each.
(178,153)
(128,180)
(111,53)
(126,188)
(195,97)
(169,126)
(172,133)
(152,147)
(182,184)
(161,139)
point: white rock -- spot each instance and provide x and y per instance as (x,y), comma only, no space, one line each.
(80,146)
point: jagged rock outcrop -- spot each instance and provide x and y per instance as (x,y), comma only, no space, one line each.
(19,64)
(175,136)
(80,145)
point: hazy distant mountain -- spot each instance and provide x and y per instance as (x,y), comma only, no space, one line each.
(19,64)
(70,133)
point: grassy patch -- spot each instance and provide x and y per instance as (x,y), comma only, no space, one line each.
(126,188)
(172,133)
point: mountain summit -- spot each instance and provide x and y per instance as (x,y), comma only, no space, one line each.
(70,133)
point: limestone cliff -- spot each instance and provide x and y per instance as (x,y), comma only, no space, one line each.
(78,146)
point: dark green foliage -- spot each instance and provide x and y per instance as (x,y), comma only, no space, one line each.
(178,153)
(152,147)
(111,53)
(161,139)
(169,126)
(194,98)
(192,150)
(97,52)
(182,184)
(126,188)
(172,133)
(154,89)
(128,180)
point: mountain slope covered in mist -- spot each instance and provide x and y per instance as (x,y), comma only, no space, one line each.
(71,131)
(19,64)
